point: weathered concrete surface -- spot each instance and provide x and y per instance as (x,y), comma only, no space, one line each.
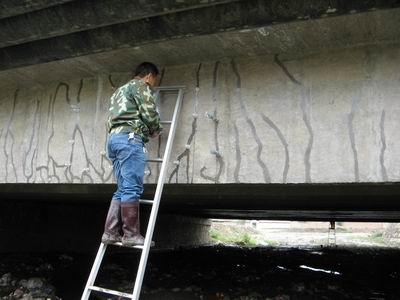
(328,117)
(242,15)
(9,8)
(292,40)
(86,15)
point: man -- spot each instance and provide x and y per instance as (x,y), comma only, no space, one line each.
(133,119)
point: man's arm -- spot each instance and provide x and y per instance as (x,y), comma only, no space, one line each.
(147,110)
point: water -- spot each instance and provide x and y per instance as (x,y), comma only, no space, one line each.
(222,272)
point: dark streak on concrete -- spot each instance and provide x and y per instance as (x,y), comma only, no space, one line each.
(238,154)
(198,75)
(52,165)
(111,82)
(186,152)
(78,98)
(284,143)
(352,139)
(214,118)
(195,114)
(77,129)
(285,70)
(24,161)
(263,166)
(50,119)
(307,122)
(7,134)
(383,141)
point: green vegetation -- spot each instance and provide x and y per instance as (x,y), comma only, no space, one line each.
(237,238)
(271,243)
(377,237)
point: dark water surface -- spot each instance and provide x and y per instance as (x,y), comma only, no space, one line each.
(218,272)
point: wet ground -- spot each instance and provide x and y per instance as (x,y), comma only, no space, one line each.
(214,272)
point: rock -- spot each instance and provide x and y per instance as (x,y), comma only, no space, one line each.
(66,257)
(5,280)
(282,297)
(27,297)
(18,293)
(23,283)
(298,287)
(34,283)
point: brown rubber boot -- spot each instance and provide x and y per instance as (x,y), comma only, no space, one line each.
(113,224)
(131,224)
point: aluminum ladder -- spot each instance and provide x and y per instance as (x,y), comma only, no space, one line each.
(145,249)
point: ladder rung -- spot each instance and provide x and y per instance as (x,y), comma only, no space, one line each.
(135,247)
(121,245)
(166,122)
(146,201)
(108,291)
(158,160)
(170,88)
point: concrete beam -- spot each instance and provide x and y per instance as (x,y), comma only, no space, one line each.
(85,15)
(9,8)
(344,201)
(202,21)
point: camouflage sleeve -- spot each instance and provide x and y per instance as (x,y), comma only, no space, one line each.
(147,109)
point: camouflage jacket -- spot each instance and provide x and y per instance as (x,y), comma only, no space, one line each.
(133,109)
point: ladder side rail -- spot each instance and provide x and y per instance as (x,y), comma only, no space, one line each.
(94,271)
(157,101)
(170,88)
(157,197)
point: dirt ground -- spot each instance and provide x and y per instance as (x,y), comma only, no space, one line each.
(220,272)
(248,261)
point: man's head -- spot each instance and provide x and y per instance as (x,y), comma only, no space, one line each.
(148,72)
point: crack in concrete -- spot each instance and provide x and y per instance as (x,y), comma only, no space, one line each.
(285,70)
(195,114)
(36,120)
(111,82)
(307,154)
(185,153)
(214,118)
(383,148)
(238,154)
(284,143)
(7,134)
(352,138)
(263,166)
(52,165)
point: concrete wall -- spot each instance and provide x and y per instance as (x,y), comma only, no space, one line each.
(328,117)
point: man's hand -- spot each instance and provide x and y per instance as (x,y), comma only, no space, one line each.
(156,134)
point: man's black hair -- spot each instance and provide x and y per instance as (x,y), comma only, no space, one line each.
(146,68)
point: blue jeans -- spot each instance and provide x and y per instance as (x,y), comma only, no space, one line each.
(128,158)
